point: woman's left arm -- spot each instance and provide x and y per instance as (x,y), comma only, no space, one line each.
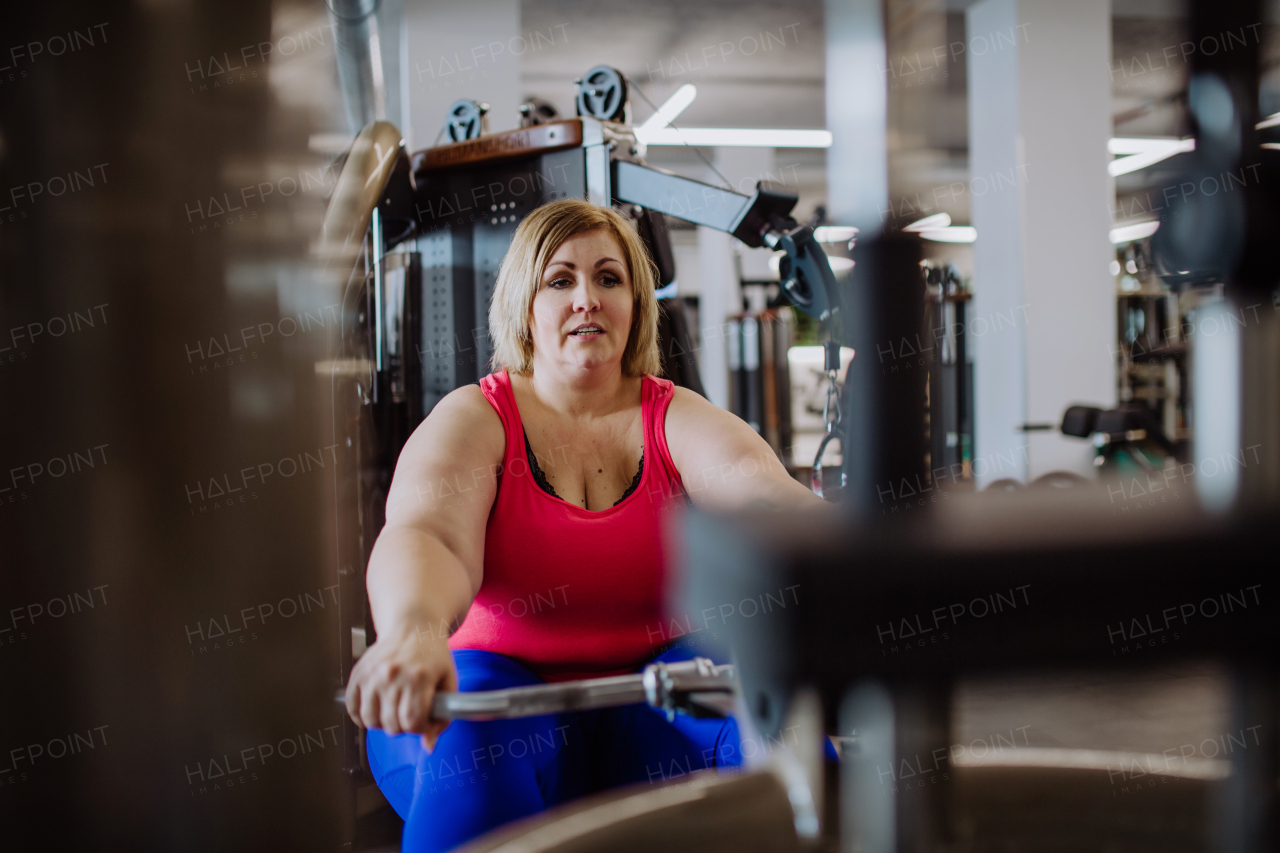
(724,463)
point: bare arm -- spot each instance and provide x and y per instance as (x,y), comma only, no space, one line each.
(724,463)
(428,563)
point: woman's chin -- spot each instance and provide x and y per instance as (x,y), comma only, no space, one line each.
(586,360)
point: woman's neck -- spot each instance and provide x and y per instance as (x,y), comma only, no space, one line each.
(586,394)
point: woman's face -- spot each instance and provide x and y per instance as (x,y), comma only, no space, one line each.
(581,315)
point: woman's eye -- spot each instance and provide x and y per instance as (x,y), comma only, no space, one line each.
(610,281)
(559,282)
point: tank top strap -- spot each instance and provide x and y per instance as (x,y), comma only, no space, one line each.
(655,400)
(497,390)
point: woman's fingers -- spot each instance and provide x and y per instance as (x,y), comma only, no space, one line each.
(389,708)
(370,707)
(449,684)
(415,709)
(392,688)
(431,733)
(434,728)
(419,707)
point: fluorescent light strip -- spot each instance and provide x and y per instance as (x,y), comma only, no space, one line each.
(667,113)
(1137,231)
(834,233)
(1143,152)
(1140,144)
(1270,121)
(745,137)
(951,234)
(929,223)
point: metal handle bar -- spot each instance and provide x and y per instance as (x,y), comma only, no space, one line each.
(540,699)
(697,686)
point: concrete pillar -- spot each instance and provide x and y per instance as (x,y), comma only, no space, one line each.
(462,50)
(1043,315)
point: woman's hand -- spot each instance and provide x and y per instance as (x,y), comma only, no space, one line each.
(427,564)
(395,681)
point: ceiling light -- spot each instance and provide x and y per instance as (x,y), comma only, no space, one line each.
(1144,152)
(951,234)
(1270,121)
(667,113)
(1140,144)
(938,220)
(834,233)
(1137,231)
(731,136)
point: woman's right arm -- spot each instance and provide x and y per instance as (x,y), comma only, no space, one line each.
(427,564)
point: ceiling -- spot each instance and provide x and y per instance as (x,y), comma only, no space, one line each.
(662,44)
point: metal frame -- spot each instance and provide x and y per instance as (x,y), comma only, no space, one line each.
(1068,597)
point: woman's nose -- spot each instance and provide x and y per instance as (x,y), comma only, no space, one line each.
(584,297)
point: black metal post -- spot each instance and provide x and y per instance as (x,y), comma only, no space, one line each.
(885,450)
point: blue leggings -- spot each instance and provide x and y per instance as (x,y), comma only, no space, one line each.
(482,775)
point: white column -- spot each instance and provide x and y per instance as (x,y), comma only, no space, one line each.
(719,290)
(717,298)
(462,50)
(857,104)
(1042,326)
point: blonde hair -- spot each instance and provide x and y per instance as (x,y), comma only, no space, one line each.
(539,236)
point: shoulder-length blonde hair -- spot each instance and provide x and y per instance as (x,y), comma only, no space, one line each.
(539,236)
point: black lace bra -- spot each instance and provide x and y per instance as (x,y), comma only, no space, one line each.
(541,479)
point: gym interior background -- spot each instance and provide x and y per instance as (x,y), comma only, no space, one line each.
(1014,314)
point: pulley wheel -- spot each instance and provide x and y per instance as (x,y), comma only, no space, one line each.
(465,120)
(602,93)
(537,111)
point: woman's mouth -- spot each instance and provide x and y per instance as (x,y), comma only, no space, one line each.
(587,331)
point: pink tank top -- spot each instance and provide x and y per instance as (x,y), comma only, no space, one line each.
(568,592)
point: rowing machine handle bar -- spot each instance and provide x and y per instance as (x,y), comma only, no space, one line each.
(667,686)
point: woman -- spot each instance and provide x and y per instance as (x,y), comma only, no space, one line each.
(526,516)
